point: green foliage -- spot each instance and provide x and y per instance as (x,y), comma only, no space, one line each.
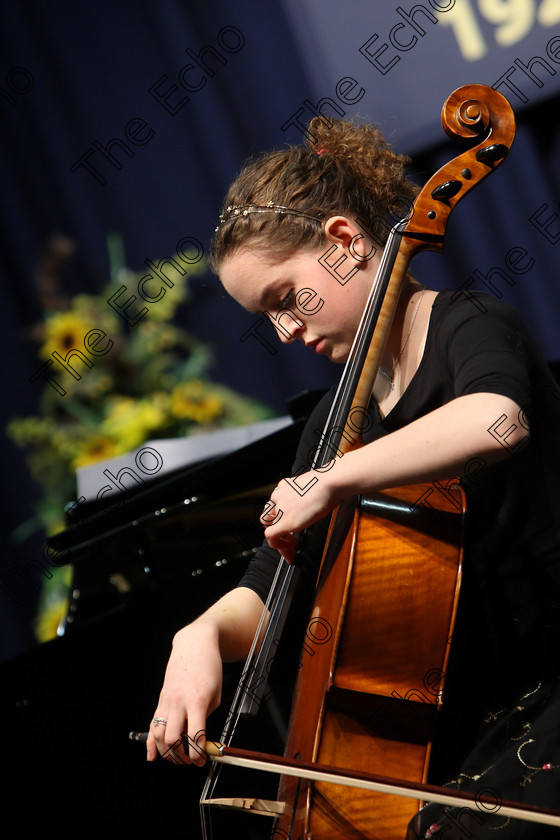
(153,382)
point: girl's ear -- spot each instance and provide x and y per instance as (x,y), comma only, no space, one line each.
(345,234)
(340,230)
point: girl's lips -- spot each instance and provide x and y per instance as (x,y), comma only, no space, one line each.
(317,346)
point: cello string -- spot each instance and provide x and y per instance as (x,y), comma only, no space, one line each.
(340,407)
(277,587)
(281,583)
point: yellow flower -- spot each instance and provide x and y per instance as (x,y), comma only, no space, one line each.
(27,431)
(96,448)
(153,337)
(193,401)
(165,308)
(130,422)
(65,331)
(94,310)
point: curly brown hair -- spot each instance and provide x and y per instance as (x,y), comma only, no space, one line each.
(346,169)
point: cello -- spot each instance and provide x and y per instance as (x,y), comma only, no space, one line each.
(383,553)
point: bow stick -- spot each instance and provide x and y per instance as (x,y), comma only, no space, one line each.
(223,754)
(380,784)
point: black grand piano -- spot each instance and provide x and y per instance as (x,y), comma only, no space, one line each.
(143,565)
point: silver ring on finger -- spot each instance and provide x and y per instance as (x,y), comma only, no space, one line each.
(156,721)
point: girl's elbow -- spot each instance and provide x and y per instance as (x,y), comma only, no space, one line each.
(510,432)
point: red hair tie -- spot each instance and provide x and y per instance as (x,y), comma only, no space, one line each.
(320,152)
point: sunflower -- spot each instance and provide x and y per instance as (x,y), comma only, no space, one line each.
(195,401)
(130,422)
(96,448)
(64,331)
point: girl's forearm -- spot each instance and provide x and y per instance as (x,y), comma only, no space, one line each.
(435,446)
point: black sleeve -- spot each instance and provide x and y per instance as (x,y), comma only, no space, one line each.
(488,349)
(260,572)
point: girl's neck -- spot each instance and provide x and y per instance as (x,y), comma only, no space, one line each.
(405,344)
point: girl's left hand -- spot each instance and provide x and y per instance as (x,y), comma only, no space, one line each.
(294,505)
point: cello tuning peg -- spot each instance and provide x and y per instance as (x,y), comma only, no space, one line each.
(491,154)
(446,190)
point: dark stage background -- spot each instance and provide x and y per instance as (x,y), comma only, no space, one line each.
(76,76)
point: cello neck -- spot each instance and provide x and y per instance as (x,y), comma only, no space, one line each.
(349,407)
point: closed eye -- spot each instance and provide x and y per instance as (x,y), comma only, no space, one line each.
(287,299)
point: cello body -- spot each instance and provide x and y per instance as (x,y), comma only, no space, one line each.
(368,697)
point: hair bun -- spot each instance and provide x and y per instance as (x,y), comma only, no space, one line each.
(365,151)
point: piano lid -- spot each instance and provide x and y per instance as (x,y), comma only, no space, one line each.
(164,456)
(132,504)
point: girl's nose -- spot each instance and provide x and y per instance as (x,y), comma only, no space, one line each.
(287,324)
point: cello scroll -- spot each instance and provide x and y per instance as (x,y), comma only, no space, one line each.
(472,112)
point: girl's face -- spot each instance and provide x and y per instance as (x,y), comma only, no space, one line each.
(303,297)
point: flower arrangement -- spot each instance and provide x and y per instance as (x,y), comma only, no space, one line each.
(154,382)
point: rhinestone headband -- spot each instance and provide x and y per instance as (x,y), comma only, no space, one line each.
(236,211)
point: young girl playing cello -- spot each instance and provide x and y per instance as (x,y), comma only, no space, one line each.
(461,384)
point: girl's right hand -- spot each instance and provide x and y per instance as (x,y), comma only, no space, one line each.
(192,686)
(192,689)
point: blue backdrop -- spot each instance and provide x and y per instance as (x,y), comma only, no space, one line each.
(119,117)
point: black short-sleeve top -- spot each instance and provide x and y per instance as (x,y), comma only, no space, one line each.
(511,598)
